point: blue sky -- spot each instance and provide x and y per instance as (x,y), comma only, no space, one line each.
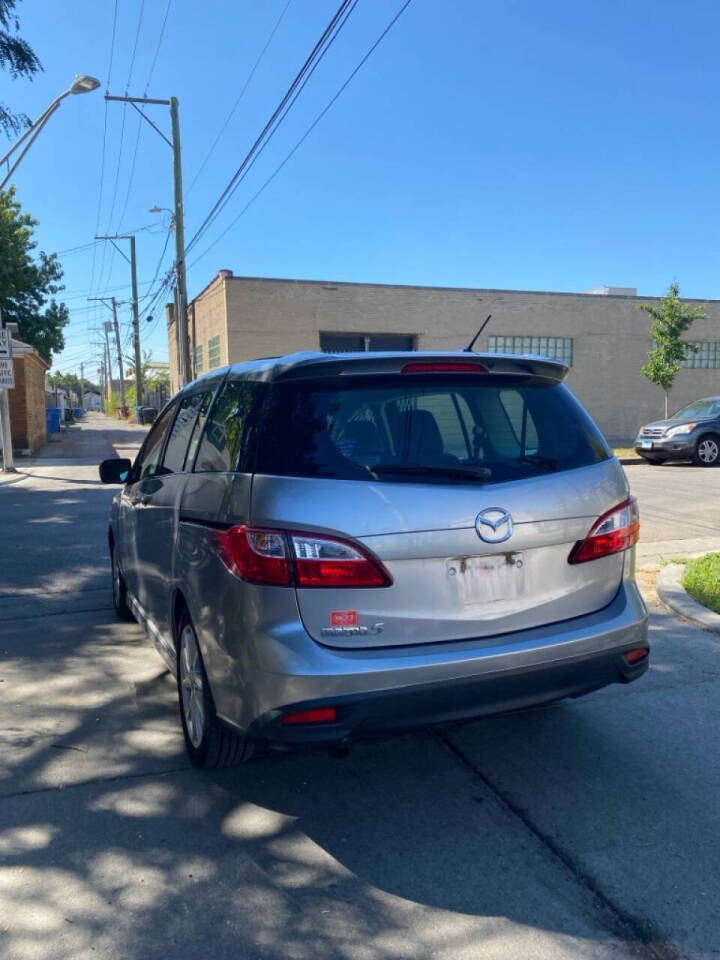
(554,146)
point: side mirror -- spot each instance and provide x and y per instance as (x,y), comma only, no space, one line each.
(115,470)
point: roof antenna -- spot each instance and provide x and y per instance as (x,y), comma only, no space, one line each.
(469,347)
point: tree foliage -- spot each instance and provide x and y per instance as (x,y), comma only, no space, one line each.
(72,382)
(18,58)
(29,281)
(670,320)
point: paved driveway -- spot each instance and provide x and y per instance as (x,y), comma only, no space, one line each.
(679,509)
(584,830)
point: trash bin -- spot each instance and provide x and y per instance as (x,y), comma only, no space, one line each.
(78,411)
(149,414)
(53,419)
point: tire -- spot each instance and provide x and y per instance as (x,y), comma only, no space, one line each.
(209,742)
(119,589)
(707,451)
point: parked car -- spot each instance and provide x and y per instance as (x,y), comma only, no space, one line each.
(327,547)
(693,433)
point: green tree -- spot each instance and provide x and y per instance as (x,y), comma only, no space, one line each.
(670,320)
(71,381)
(29,281)
(18,58)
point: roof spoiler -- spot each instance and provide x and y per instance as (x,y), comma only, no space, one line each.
(311,365)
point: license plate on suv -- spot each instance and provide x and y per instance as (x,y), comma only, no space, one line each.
(646,444)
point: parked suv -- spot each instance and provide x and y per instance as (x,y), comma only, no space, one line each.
(693,433)
(325,547)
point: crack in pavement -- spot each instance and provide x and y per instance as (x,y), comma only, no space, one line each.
(638,933)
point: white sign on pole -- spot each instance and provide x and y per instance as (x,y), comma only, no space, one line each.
(7,370)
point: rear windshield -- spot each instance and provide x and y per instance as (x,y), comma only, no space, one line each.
(456,429)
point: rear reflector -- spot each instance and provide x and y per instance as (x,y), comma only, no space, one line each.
(635,656)
(283,559)
(317,715)
(615,531)
(444,366)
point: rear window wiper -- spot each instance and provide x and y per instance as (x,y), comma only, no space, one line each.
(539,461)
(464,473)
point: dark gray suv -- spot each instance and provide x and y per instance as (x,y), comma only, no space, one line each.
(693,433)
(329,547)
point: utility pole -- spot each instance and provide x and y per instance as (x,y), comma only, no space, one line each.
(182,330)
(114,325)
(8,461)
(82,385)
(135,307)
(179,218)
(108,359)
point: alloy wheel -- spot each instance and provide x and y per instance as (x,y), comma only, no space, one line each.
(708,450)
(192,686)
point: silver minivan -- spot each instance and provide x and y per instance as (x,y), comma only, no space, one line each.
(328,547)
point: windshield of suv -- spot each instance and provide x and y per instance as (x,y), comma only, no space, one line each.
(432,428)
(698,409)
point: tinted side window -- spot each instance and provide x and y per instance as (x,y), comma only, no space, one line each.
(182,429)
(148,463)
(227,427)
(198,430)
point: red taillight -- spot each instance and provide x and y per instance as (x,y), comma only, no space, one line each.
(327,562)
(635,656)
(258,556)
(444,366)
(317,715)
(615,531)
(280,558)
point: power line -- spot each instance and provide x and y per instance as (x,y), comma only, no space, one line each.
(239,98)
(104,144)
(140,119)
(326,39)
(307,133)
(135,45)
(159,44)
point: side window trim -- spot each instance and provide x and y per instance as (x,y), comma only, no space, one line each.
(132,478)
(190,468)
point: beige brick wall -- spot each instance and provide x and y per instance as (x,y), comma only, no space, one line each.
(610,334)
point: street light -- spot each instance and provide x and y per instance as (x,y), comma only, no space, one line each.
(81,84)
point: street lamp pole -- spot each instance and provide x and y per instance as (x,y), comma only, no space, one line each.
(81,84)
(179,218)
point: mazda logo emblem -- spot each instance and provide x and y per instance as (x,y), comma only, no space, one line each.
(494,525)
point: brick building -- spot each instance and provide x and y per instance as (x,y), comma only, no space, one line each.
(27,401)
(601,334)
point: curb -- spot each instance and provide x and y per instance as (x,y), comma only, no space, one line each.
(673,594)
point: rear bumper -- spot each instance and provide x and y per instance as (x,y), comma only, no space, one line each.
(375,690)
(371,714)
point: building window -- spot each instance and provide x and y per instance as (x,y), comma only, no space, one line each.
(198,358)
(707,356)
(559,348)
(213,352)
(364,342)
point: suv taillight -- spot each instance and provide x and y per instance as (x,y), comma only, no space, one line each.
(285,558)
(615,531)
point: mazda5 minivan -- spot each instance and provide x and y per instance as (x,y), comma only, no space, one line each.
(329,547)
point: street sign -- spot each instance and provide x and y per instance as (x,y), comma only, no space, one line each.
(7,370)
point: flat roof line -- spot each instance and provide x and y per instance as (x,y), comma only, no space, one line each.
(417,286)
